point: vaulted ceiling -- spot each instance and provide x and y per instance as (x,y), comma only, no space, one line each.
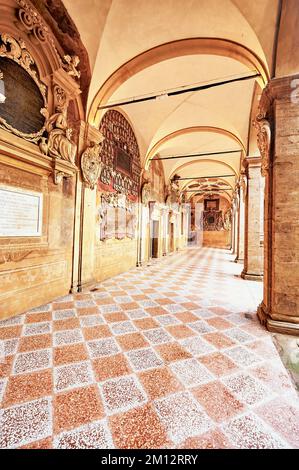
(144,47)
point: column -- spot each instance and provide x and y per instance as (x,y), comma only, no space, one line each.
(235,231)
(241,223)
(278,136)
(253,248)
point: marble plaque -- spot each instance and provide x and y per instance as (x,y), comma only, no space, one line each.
(20,212)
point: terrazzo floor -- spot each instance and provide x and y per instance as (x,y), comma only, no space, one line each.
(165,356)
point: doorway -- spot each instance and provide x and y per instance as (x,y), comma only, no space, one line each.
(154,239)
(171,237)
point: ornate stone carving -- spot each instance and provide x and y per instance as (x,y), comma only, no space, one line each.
(145,193)
(16,50)
(70,64)
(60,97)
(91,164)
(58,143)
(263,128)
(58,176)
(32,21)
(174,191)
(243,185)
(14,256)
(227,220)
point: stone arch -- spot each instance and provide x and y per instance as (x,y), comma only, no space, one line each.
(177,169)
(178,48)
(189,130)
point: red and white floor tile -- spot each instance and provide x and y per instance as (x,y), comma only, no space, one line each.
(166,356)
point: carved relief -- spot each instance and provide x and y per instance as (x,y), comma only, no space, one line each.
(60,97)
(227,220)
(263,128)
(14,256)
(173,194)
(32,21)
(16,50)
(58,176)
(70,65)
(145,193)
(243,185)
(91,164)
(58,143)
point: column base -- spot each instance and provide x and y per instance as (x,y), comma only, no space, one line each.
(276,326)
(86,285)
(252,276)
(239,260)
(282,327)
(74,289)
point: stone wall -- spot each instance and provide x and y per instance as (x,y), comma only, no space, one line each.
(113,257)
(217,239)
(34,270)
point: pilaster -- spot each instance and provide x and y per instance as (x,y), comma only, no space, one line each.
(278,124)
(253,248)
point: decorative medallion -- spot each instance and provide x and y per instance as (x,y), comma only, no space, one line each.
(91,164)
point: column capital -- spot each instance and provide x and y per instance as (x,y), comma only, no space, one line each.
(283,88)
(252,161)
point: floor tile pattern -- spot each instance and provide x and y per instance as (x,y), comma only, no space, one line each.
(165,356)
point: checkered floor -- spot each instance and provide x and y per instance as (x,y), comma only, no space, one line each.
(165,356)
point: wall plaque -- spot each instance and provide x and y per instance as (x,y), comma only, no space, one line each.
(20,212)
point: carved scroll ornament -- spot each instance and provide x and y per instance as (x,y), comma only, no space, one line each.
(263,128)
(91,164)
(32,21)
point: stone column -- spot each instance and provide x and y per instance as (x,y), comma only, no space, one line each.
(278,137)
(241,223)
(90,139)
(235,231)
(253,249)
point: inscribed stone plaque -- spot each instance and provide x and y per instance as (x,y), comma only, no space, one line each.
(20,213)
